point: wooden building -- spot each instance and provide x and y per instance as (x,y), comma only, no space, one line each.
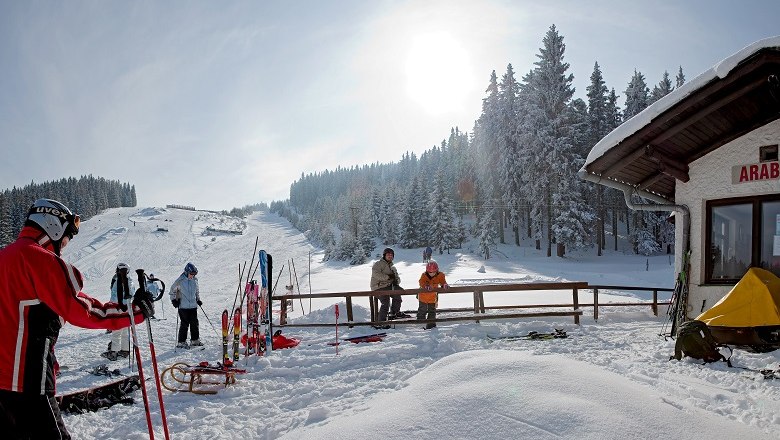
(708,152)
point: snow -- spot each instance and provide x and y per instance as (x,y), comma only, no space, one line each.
(720,70)
(610,379)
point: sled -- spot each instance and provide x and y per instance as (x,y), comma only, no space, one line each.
(199,379)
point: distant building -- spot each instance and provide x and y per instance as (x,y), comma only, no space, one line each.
(708,151)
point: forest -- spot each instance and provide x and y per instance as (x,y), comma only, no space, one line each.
(85,196)
(512,178)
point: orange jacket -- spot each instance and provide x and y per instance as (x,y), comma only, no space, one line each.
(433,282)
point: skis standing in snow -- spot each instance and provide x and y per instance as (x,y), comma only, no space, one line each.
(185,296)
(38,292)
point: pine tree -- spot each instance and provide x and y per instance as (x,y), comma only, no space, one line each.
(680,80)
(636,96)
(662,89)
(442,227)
(508,139)
(552,155)
(599,125)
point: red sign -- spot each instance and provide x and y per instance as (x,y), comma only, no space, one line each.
(755,171)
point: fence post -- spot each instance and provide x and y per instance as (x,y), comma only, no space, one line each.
(283,312)
(372,307)
(576,299)
(595,304)
(476,302)
(349,311)
(655,302)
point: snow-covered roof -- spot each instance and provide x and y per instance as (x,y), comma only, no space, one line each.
(642,119)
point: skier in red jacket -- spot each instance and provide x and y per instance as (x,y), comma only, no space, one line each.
(39,292)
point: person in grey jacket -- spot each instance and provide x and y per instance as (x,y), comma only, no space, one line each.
(185,296)
(384,276)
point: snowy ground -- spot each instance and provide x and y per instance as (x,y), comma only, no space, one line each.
(610,379)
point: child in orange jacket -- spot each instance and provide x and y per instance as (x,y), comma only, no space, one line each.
(429,280)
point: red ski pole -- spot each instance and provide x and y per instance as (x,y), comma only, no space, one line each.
(337,329)
(153,355)
(137,351)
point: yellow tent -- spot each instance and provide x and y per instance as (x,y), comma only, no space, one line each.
(750,313)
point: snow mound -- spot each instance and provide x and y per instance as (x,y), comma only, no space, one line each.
(477,394)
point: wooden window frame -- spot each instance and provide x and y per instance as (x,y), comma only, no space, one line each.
(757,214)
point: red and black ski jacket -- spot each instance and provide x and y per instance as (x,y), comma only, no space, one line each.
(39,292)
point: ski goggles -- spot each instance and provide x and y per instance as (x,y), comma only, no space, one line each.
(74,222)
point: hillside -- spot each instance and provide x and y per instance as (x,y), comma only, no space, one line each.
(446,383)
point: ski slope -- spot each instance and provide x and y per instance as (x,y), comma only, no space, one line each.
(610,379)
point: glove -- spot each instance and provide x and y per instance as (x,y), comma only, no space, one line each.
(200,303)
(145,304)
(123,306)
(176,302)
(428,287)
(446,286)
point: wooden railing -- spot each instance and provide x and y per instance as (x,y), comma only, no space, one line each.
(653,305)
(479,309)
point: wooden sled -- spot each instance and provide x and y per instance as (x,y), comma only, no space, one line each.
(198,379)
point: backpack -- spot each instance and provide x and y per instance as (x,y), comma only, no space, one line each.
(694,339)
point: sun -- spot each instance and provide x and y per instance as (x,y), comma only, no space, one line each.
(438,73)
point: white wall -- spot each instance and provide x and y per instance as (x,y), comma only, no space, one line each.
(710,178)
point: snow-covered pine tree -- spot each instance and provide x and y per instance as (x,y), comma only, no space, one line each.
(680,78)
(598,124)
(637,96)
(389,214)
(412,218)
(486,224)
(550,93)
(486,143)
(442,226)
(508,139)
(663,88)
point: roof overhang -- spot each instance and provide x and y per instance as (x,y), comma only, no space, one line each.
(653,150)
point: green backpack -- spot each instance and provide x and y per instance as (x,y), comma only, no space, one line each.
(694,339)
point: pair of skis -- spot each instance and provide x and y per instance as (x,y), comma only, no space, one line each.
(557,334)
(258,315)
(226,356)
(265,304)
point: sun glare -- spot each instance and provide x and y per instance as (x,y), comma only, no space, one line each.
(438,73)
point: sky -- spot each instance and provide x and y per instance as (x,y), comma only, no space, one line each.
(611,378)
(223,104)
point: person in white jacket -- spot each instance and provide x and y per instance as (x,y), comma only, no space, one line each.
(120,338)
(185,296)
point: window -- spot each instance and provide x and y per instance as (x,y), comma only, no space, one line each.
(741,233)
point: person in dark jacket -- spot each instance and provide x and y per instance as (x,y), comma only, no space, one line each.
(384,276)
(185,296)
(39,292)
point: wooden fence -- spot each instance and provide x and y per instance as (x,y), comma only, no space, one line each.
(478,311)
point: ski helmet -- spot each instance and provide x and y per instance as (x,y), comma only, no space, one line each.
(53,218)
(388,251)
(432,266)
(122,266)
(190,269)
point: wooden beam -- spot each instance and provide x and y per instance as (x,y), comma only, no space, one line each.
(649,181)
(674,172)
(623,162)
